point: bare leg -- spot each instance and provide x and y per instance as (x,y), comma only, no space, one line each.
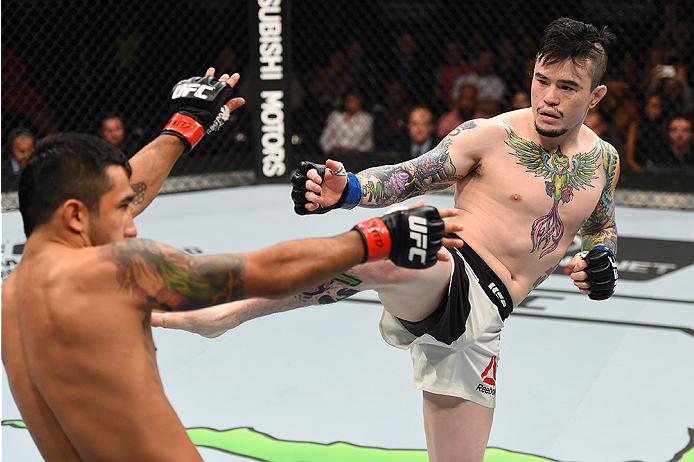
(457,430)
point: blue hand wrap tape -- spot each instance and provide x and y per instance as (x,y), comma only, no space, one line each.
(353,192)
(606,248)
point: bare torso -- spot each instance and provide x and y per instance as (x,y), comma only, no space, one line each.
(520,216)
(81,364)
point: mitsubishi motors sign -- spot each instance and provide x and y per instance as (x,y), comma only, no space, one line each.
(270,56)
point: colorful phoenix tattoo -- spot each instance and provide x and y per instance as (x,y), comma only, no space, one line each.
(563,177)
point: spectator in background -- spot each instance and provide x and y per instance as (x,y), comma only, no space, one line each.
(619,108)
(391,116)
(112,129)
(519,100)
(21,144)
(509,60)
(359,69)
(328,85)
(670,82)
(22,104)
(453,67)
(407,67)
(491,88)
(680,152)
(528,67)
(649,139)
(595,122)
(465,109)
(347,68)
(651,73)
(348,130)
(421,135)
(405,56)
(631,71)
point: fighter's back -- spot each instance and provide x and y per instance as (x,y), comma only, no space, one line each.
(81,362)
(16,357)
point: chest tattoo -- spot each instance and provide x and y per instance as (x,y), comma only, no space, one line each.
(562,176)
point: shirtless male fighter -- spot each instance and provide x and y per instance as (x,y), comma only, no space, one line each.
(76,337)
(525,183)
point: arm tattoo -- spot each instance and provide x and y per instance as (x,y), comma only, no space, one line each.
(173,279)
(338,288)
(601,227)
(432,171)
(140,190)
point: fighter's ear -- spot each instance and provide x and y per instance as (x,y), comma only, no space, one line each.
(598,94)
(75,215)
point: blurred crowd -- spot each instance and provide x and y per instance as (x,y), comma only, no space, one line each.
(382,107)
(647,113)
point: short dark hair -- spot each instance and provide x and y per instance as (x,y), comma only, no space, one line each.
(65,166)
(19,132)
(566,38)
(680,115)
(429,111)
(111,115)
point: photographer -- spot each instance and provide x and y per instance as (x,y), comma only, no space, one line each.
(669,81)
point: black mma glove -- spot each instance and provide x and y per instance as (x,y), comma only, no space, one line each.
(410,238)
(198,107)
(601,271)
(350,195)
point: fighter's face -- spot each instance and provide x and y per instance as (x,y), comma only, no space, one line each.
(560,97)
(114,220)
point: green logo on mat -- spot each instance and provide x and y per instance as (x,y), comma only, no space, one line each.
(259,446)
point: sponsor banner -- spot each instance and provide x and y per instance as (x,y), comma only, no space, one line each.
(269,54)
(642,259)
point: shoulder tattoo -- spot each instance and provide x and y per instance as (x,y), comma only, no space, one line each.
(601,227)
(161,274)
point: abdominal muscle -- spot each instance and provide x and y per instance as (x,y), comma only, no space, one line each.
(500,235)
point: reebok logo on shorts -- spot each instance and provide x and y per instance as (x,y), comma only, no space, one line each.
(489,374)
(489,378)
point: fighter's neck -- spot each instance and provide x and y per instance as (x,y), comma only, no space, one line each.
(44,238)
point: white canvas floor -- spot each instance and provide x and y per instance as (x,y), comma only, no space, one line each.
(578,380)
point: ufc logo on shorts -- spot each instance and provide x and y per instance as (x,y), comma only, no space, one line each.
(418,233)
(187,88)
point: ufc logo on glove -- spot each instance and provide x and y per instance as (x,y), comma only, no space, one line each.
(198,106)
(418,232)
(404,235)
(183,90)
